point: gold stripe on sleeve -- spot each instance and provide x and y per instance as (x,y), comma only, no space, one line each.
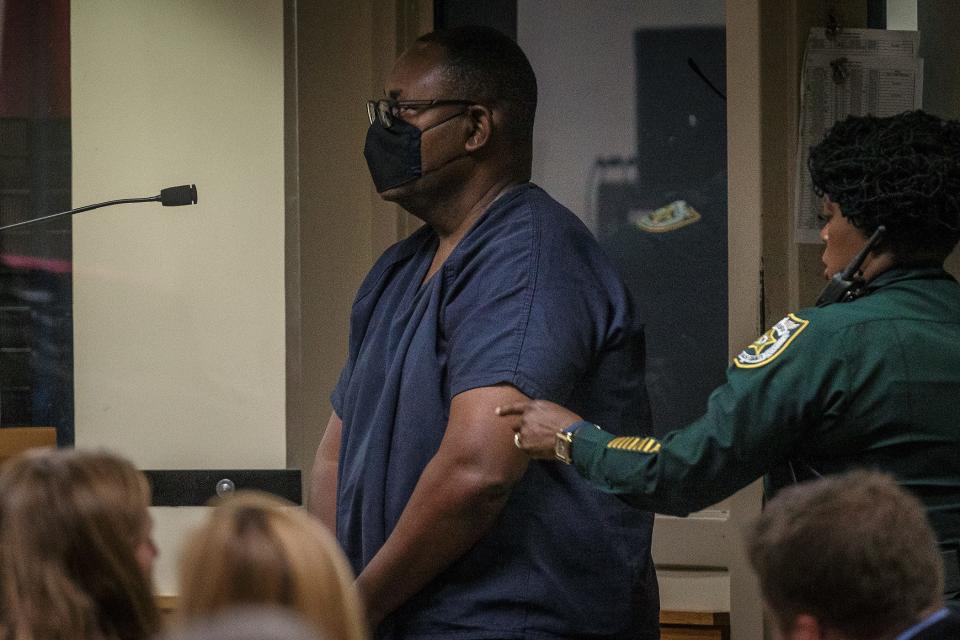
(642,445)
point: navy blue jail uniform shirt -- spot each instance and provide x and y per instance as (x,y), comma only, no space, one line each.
(526,298)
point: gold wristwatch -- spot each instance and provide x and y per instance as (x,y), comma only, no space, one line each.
(563,443)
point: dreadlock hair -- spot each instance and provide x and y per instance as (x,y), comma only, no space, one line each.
(488,67)
(902,172)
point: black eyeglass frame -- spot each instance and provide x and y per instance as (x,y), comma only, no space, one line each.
(387,110)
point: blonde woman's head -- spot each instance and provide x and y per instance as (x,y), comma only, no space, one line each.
(256,549)
(75,547)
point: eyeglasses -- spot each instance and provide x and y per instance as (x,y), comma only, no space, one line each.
(387,110)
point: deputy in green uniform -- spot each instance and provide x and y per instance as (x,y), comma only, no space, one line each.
(871,380)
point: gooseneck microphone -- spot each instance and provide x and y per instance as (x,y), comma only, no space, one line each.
(178,196)
(169,197)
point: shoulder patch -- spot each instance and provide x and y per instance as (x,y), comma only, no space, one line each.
(673,216)
(771,344)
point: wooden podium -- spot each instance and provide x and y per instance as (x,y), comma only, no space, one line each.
(14,440)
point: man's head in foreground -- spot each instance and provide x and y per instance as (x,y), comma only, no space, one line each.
(846,557)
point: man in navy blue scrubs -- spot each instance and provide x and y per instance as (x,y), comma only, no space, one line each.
(502,295)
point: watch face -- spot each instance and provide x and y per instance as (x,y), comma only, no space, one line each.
(561,448)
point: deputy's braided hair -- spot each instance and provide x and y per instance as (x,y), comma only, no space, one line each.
(902,172)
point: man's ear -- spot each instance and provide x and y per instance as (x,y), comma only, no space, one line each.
(481,127)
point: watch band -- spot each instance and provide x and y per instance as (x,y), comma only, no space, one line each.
(563,445)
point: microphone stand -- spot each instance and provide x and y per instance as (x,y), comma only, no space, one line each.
(169,197)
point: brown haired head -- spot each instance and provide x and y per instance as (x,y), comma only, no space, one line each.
(71,523)
(256,549)
(854,552)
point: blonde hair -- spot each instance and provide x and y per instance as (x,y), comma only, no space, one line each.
(70,522)
(256,549)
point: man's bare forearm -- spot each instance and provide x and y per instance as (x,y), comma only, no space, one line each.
(322,499)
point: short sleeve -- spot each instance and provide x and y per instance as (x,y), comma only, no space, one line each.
(524,306)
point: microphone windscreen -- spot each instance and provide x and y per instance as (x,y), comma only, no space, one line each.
(177,196)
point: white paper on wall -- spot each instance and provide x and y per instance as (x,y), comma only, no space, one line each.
(857,72)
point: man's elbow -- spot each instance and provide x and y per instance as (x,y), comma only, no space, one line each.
(484,487)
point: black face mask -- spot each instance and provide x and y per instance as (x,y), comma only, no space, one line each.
(393,155)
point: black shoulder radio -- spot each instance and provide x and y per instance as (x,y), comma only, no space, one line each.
(845,285)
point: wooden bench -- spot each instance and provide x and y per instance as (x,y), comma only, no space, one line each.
(674,625)
(694,625)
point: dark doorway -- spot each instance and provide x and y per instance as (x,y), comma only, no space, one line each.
(36,327)
(667,229)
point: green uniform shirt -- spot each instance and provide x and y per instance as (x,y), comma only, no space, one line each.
(870,383)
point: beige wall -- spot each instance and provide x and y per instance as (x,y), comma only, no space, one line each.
(744,205)
(334,207)
(179,312)
(343,53)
